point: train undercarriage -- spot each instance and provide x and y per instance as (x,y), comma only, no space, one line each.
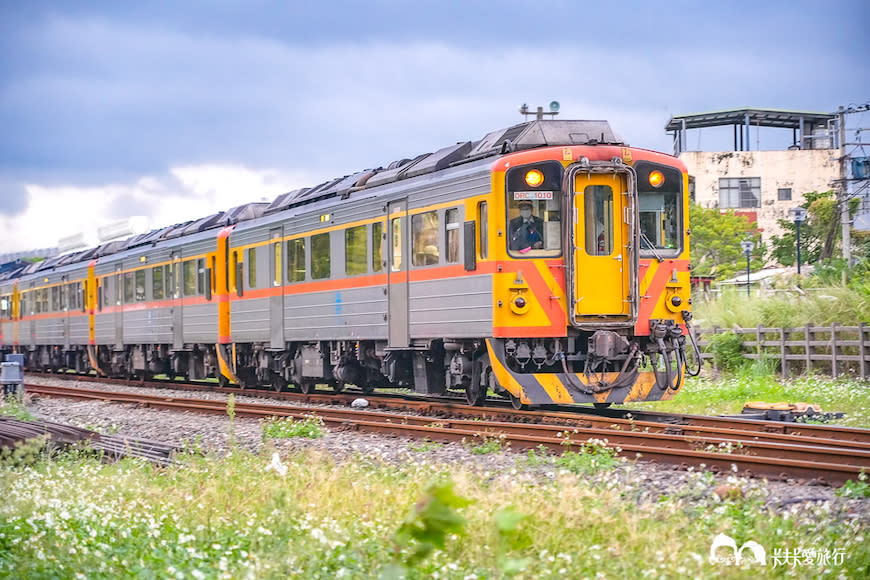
(587,366)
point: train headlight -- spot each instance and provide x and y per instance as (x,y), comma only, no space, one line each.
(519,304)
(656,178)
(534,178)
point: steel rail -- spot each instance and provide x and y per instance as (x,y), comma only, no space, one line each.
(801,457)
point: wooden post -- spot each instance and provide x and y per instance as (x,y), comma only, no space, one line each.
(715,332)
(758,349)
(782,353)
(834,350)
(808,349)
(862,354)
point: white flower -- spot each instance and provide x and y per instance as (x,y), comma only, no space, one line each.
(276,465)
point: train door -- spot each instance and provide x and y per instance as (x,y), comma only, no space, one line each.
(65,291)
(119,310)
(397,274)
(602,264)
(276,299)
(32,306)
(177,313)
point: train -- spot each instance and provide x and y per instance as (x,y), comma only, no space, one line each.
(546,263)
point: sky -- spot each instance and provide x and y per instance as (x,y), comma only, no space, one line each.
(176,110)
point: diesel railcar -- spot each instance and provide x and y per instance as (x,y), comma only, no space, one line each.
(547,262)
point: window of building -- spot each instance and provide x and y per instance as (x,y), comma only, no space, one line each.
(188,277)
(739,192)
(783,194)
(451,234)
(296,260)
(424,233)
(320,256)
(355,251)
(252,267)
(377,243)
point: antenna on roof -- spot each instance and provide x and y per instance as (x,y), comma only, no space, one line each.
(539,114)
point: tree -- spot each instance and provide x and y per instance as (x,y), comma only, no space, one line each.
(715,242)
(819,232)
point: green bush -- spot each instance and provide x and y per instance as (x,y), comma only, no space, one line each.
(727,349)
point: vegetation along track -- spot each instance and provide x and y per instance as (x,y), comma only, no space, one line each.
(807,452)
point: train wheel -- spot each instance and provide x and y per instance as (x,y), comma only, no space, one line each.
(475,394)
(338,387)
(306,387)
(601,405)
(278,382)
(516,403)
(222,380)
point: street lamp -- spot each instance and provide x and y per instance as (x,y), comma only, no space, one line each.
(799,215)
(747,249)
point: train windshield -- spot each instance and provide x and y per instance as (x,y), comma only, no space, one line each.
(534,223)
(660,206)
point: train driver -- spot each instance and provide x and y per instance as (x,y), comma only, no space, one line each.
(527,230)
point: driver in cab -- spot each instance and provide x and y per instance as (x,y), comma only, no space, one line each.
(527,230)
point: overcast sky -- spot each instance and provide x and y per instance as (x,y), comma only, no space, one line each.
(178,109)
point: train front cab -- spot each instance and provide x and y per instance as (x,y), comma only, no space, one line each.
(595,311)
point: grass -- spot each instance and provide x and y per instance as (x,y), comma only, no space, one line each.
(73,517)
(310,427)
(818,307)
(726,394)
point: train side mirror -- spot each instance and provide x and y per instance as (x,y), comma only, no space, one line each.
(469,249)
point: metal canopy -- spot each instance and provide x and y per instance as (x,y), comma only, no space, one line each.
(758,117)
(803,124)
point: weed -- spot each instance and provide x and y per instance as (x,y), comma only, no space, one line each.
(424,446)
(854,488)
(310,427)
(13,406)
(489,444)
(727,349)
(593,456)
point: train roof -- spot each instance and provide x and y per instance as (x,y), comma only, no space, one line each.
(523,136)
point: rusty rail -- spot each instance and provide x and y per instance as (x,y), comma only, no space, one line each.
(816,456)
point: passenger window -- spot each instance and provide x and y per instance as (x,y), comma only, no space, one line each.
(128,287)
(140,285)
(424,232)
(252,267)
(157,282)
(397,244)
(451,234)
(355,258)
(377,243)
(296,260)
(200,276)
(483,221)
(598,209)
(188,277)
(320,256)
(276,248)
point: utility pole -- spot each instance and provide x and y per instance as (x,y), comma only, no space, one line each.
(843,196)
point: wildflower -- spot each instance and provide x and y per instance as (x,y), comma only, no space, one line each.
(276,465)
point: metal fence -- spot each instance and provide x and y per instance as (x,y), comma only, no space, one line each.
(834,350)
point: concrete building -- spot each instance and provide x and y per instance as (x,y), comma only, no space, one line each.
(762,185)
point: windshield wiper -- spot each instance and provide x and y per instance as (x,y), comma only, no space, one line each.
(651,247)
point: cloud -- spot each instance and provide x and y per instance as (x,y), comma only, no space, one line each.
(14,199)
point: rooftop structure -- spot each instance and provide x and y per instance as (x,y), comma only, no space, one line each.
(809,130)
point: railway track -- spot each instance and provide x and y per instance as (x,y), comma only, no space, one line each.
(816,453)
